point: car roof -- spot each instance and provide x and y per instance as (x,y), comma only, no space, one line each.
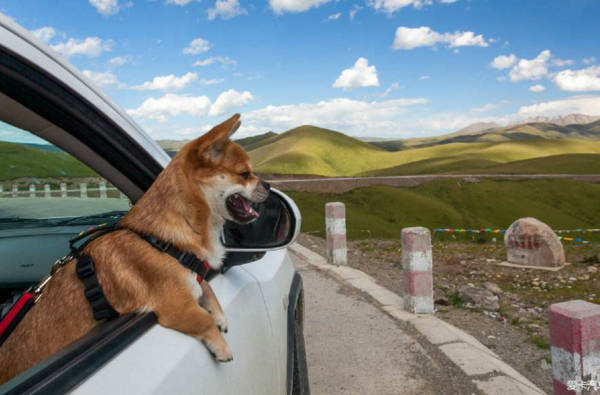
(20,41)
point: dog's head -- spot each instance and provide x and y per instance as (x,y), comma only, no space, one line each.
(222,170)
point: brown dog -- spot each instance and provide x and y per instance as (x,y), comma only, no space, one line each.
(209,181)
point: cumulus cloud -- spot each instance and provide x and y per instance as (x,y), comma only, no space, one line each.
(360,75)
(45,33)
(171,105)
(120,60)
(89,46)
(226,9)
(390,89)
(561,62)
(503,61)
(101,78)
(589,105)
(409,38)
(223,60)
(424,77)
(197,46)
(167,82)
(180,2)
(391,6)
(211,81)
(109,7)
(587,79)
(537,88)
(228,100)
(355,117)
(334,17)
(283,6)
(531,69)
(589,60)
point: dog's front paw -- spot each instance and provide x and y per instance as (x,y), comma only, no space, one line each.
(221,322)
(218,348)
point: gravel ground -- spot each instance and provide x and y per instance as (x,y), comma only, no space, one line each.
(518,330)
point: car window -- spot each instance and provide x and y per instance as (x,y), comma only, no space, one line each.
(46,197)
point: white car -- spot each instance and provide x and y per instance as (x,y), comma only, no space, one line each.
(86,139)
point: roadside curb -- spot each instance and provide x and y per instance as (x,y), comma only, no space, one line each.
(488,372)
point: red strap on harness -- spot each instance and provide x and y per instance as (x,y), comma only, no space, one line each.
(199,277)
(15,314)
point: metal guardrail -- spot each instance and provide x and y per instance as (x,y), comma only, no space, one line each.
(62,192)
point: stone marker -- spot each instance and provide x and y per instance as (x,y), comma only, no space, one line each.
(530,242)
(417,270)
(335,228)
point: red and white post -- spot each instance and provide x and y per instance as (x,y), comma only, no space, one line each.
(335,228)
(575,340)
(417,270)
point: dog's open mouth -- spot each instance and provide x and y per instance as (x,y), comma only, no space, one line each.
(240,208)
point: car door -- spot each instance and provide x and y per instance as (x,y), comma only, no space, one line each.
(43,95)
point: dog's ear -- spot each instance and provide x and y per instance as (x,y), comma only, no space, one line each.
(211,145)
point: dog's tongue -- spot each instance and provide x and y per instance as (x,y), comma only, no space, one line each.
(245,207)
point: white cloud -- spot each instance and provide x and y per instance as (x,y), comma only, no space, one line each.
(101,78)
(350,116)
(109,7)
(45,33)
(391,6)
(228,100)
(120,60)
(224,60)
(537,88)
(226,9)
(531,69)
(588,105)
(424,77)
(171,105)
(503,61)
(390,89)
(561,62)
(589,60)
(490,106)
(283,6)
(334,17)
(197,46)
(180,2)
(90,46)
(410,38)
(211,81)
(353,11)
(587,79)
(167,82)
(360,75)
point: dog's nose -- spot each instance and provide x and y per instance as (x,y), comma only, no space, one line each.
(266,185)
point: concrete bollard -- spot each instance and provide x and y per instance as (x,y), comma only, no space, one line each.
(575,340)
(83,190)
(102,187)
(63,190)
(47,190)
(417,270)
(335,228)
(15,190)
(31,190)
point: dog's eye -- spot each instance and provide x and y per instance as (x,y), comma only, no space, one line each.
(245,175)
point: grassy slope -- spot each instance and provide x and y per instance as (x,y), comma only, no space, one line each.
(384,211)
(253,142)
(17,160)
(311,150)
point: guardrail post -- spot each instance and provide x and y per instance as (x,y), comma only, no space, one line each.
(31,190)
(102,187)
(47,190)
(417,270)
(335,228)
(1,190)
(15,190)
(83,190)
(63,189)
(575,339)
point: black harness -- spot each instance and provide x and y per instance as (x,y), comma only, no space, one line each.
(13,311)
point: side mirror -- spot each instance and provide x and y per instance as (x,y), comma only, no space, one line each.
(276,227)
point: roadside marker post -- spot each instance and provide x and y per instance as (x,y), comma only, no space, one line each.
(575,346)
(417,270)
(335,228)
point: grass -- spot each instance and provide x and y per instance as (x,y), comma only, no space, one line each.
(539,341)
(17,160)
(381,211)
(312,150)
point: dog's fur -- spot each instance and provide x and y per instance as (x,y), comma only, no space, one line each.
(184,206)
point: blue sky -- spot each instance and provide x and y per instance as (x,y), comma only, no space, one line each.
(381,68)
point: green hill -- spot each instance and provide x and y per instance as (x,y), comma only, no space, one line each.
(312,150)
(253,142)
(19,160)
(381,212)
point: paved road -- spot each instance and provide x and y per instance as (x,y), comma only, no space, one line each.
(355,348)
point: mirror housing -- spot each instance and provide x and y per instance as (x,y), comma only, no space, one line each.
(277,226)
